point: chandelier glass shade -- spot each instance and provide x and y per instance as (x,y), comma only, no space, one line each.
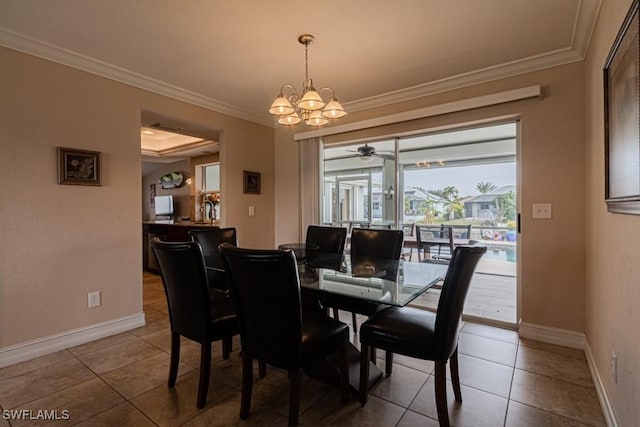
(292,109)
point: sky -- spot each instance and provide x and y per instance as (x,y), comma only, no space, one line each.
(464,178)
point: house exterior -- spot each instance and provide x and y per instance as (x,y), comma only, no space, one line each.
(484,206)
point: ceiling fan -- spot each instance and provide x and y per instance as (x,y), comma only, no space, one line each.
(367,153)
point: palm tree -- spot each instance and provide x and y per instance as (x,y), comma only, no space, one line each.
(450,196)
(485,187)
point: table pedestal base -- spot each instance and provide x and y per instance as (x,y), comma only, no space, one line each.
(328,371)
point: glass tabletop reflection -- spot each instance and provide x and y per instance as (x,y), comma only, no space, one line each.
(390,282)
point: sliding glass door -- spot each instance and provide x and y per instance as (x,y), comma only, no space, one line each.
(465,177)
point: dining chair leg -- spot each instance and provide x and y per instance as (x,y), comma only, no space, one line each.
(344,371)
(294,397)
(364,372)
(441,393)
(247,386)
(455,376)
(388,363)
(354,321)
(175,358)
(227,347)
(372,355)
(205,371)
(262,368)
(336,314)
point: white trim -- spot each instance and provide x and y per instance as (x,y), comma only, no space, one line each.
(605,404)
(583,27)
(52,343)
(528,65)
(434,110)
(564,337)
(75,60)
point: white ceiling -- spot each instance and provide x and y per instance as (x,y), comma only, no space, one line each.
(233,56)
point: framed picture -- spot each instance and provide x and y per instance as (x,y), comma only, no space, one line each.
(622,119)
(78,167)
(251,182)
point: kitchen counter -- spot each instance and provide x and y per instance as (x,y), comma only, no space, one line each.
(169,232)
(198,224)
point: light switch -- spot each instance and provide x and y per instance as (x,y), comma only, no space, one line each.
(252,210)
(542,210)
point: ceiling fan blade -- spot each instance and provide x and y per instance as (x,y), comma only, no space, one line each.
(385,156)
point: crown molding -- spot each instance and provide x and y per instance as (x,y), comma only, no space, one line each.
(468,79)
(583,27)
(584,24)
(75,60)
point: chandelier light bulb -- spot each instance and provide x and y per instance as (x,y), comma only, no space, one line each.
(316,119)
(311,100)
(290,120)
(333,110)
(281,106)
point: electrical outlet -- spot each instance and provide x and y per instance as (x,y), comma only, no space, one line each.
(614,367)
(93,299)
(542,210)
(252,210)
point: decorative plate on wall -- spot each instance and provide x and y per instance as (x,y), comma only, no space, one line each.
(171,180)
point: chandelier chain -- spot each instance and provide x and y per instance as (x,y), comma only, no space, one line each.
(306,63)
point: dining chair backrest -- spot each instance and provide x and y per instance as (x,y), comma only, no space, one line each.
(454,292)
(458,231)
(329,240)
(427,231)
(266,290)
(380,226)
(385,244)
(210,239)
(184,278)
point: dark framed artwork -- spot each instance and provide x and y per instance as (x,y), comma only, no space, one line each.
(622,119)
(251,182)
(78,167)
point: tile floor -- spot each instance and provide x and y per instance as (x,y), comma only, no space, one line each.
(121,381)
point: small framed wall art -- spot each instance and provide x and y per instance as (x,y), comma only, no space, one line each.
(78,167)
(251,182)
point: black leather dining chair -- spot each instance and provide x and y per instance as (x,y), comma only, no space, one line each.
(375,243)
(423,334)
(196,312)
(370,243)
(209,240)
(329,240)
(273,328)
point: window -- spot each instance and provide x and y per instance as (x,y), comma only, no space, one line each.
(208,182)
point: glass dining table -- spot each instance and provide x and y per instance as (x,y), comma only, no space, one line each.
(363,282)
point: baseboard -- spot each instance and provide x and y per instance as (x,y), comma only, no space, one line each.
(605,404)
(564,337)
(52,343)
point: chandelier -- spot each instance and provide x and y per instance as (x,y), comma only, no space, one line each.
(311,108)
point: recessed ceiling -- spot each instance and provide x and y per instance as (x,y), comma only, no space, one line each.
(234,56)
(160,146)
